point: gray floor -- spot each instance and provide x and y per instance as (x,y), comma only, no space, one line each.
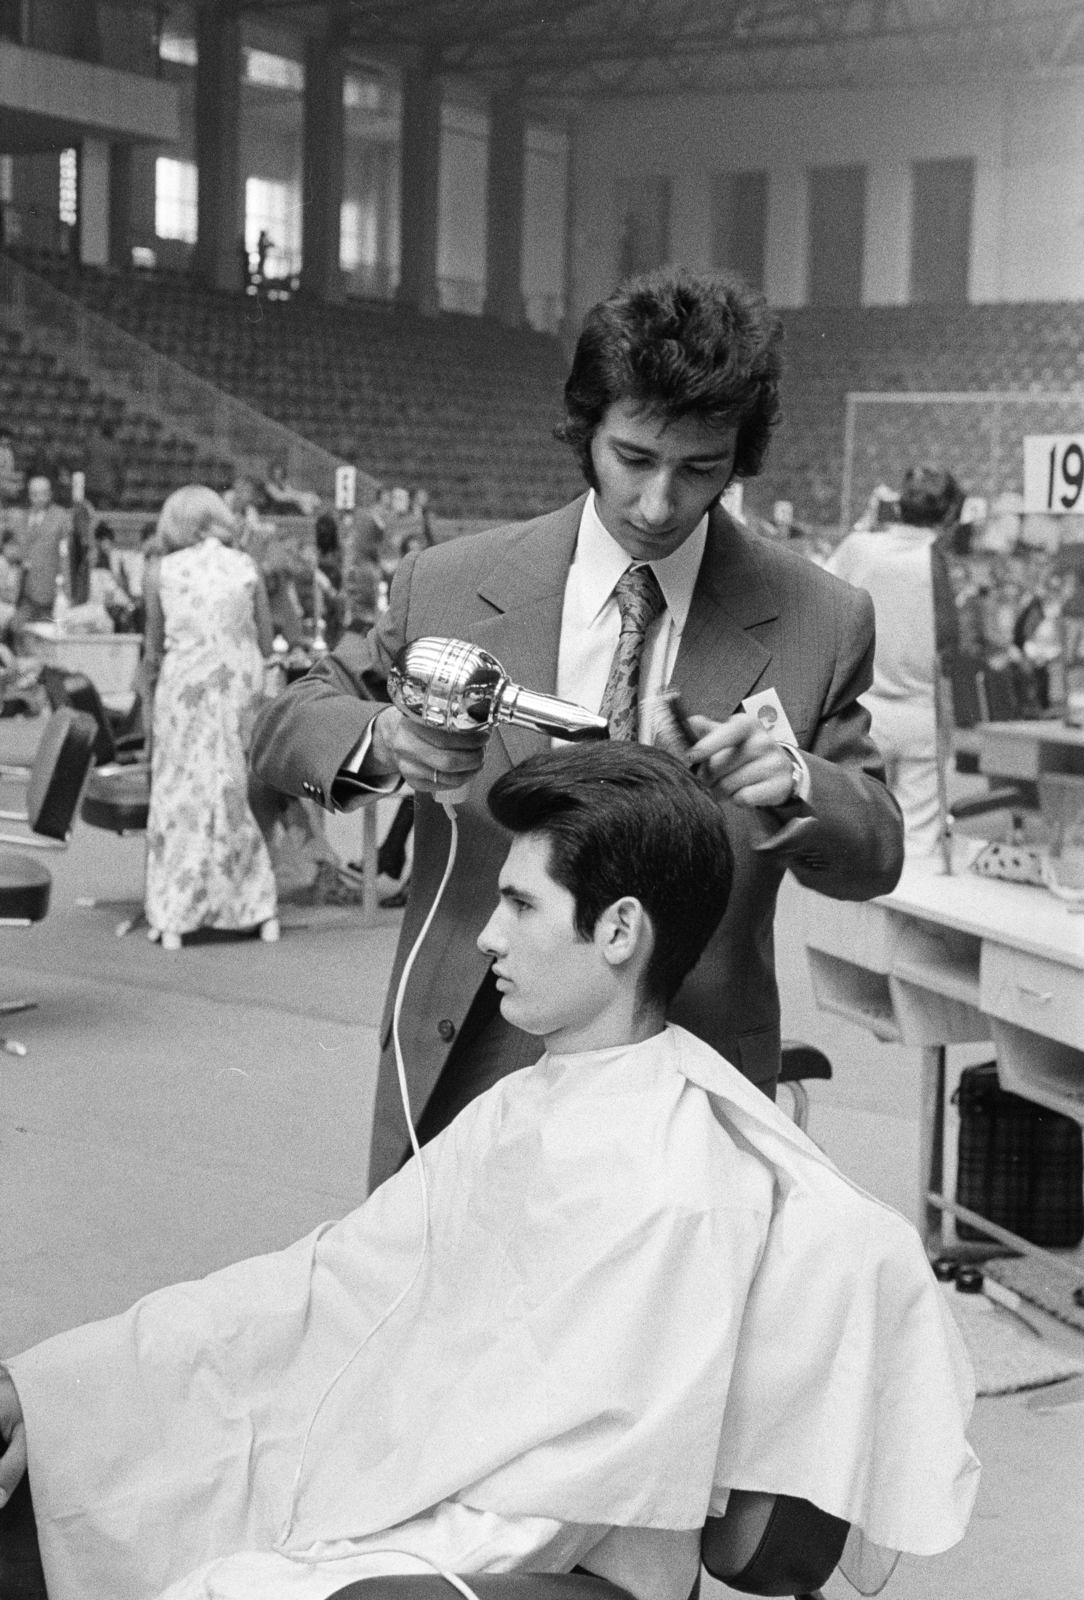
(177,1112)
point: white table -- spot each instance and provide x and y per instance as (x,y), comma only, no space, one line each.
(1027,750)
(109,660)
(952,960)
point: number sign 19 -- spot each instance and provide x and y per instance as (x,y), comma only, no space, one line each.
(1054,472)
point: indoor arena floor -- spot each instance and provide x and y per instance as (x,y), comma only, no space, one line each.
(176,1112)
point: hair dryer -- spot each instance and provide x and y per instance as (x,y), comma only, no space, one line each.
(447,683)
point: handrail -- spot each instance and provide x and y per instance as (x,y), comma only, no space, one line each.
(143,377)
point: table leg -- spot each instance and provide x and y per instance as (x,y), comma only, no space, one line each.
(931,1155)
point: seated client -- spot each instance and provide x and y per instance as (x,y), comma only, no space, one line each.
(639,1288)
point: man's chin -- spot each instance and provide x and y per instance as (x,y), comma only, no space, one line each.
(516,1015)
(652,547)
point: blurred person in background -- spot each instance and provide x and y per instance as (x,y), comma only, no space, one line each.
(902,566)
(104,460)
(281,564)
(11,479)
(329,575)
(47,529)
(108,580)
(363,574)
(284,498)
(422,510)
(208,630)
(11,577)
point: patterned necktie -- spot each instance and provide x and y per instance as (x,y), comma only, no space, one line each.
(640,601)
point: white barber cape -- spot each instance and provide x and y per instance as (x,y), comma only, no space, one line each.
(644,1287)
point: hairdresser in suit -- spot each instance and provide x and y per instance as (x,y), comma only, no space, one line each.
(645,581)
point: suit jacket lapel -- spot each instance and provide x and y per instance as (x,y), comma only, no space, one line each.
(528,589)
(720,660)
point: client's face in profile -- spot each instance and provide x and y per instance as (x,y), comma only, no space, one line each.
(552,982)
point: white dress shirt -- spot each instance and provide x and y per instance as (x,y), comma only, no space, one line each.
(591,627)
(591,620)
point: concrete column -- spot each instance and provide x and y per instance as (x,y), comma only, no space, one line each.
(37,192)
(504,210)
(94,203)
(220,217)
(419,190)
(322,171)
(120,205)
(886,256)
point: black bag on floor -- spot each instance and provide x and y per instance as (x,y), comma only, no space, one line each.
(1019,1164)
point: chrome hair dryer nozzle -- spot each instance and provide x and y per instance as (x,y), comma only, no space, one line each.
(447,683)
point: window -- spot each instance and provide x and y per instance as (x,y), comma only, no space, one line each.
(178,48)
(274,208)
(739,223)
(362,94)
(357,235)
(7,179)
(176,186)
(69,187)
(941,231)
(274,72)
(837,225)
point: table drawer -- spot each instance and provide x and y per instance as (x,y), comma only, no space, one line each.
(1033,992)
(861,932)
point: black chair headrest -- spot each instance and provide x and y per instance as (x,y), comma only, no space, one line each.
(59,772)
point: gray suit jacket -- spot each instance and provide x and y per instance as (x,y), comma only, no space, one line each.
(761,617)
(40,550)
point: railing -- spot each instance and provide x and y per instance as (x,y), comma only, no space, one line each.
(151,382)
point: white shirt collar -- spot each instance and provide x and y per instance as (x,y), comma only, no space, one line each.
(600,562)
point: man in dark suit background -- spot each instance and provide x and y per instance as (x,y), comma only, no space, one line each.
(643,582)
(47,528)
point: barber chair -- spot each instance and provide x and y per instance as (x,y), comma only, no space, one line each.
(54,783)
(799,1063)
(118,792)
(765,1544)
(119,737)
(968,692)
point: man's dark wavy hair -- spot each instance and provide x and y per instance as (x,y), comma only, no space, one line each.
(680,344)
(627,819)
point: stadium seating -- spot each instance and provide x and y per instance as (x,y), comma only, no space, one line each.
(466,408)
(461,407)
(51,412)
(1034,347)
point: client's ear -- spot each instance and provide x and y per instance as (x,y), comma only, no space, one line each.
(623,933)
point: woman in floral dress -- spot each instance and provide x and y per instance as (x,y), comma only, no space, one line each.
(208,630)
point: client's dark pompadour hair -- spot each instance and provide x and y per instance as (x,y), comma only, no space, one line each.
(679,344)
(625,819)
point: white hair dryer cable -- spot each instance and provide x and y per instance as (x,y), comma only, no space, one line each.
(400,1067)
